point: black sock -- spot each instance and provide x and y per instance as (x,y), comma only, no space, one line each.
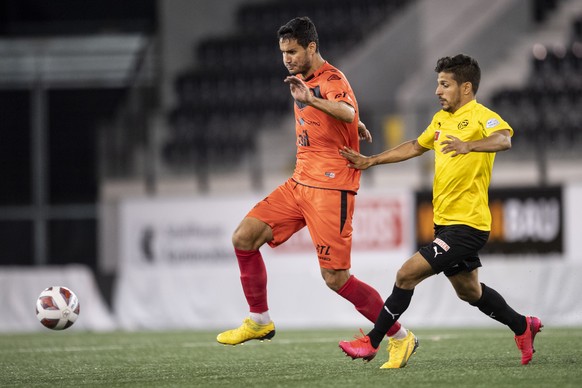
(493,305)
(393,308)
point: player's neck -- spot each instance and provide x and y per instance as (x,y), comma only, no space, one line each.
(463,102)
(318,61)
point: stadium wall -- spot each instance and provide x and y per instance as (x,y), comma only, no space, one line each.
(21,286)
(177,270)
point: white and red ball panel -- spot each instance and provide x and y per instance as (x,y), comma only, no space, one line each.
(57,307)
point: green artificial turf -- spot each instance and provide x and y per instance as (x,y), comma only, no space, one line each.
(445,358)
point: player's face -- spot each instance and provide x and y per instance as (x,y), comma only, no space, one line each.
(296,59)
(449,92)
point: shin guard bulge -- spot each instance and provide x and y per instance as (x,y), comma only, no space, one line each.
(253,277)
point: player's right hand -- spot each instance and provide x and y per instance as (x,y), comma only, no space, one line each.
(363,132)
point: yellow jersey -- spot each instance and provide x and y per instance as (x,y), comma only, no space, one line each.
(461,183)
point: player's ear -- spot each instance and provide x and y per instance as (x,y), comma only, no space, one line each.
(467,87)
(312,47)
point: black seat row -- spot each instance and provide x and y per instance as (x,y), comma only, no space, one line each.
(238,86)
(548,111)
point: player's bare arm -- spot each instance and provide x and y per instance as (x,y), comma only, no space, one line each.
(497,141)
(337,109)
(404,151)
(363,132)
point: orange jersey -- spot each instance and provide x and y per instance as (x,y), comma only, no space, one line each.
(320,136)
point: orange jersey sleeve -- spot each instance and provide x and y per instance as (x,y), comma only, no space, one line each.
(320,136)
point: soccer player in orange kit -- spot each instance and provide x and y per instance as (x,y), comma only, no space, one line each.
(319,195)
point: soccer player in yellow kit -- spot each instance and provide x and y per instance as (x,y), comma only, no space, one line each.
(465,136)
(319,195)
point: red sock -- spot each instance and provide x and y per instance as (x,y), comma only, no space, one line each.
(366,300)
(253,277)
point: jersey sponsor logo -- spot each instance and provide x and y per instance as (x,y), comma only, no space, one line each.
(340,95)
(322,249)
(334,77)
(322,252)
(330,174)
(303,139)
(303,121)
(437,134)
(463,124)
(492,123)
(442,244)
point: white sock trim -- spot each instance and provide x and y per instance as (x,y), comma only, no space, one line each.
(400,334)
(261,318)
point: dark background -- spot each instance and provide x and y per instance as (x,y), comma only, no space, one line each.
(73,118)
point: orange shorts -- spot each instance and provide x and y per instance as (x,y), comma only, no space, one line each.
(327,214)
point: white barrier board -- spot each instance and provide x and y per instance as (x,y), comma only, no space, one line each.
(21,286)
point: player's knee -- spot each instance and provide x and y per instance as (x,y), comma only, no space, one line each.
(332,284)
(242,239)
(335,280)
(468,295)
(405,279)
(251,235)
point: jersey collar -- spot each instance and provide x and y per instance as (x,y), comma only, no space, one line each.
(465,108)
(319,70)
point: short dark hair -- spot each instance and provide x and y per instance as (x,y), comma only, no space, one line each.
(463,67)
(301,29)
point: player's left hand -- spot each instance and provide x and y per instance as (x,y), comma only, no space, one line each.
(299,89)
(456,145)
(363,132)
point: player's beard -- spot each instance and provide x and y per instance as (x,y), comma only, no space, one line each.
(302,69)
(445,105)
(450,106)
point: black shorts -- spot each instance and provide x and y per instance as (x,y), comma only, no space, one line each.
(454,249)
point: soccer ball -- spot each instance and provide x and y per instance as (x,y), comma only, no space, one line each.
(57,308)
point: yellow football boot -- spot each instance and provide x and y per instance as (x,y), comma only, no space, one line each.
(249,330)
(399,351)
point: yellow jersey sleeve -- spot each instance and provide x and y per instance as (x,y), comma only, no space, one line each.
(492,122)
(427,138)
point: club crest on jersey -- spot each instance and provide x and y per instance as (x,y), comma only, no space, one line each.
(463,124)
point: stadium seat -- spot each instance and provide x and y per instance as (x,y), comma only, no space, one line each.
(237,83)
(548,109)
